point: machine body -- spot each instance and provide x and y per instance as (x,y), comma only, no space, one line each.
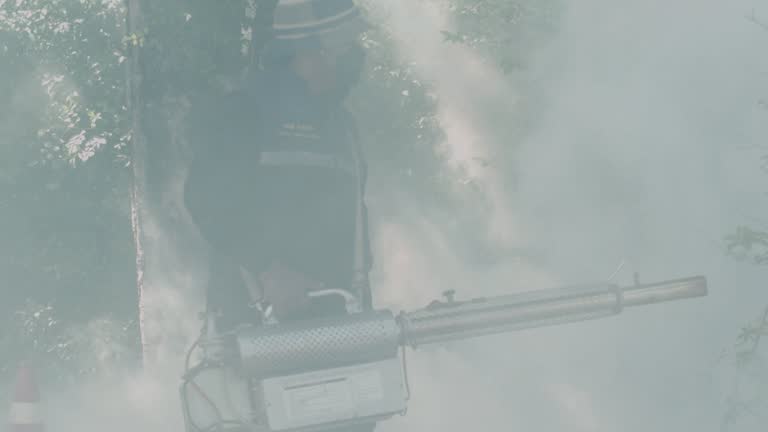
(322,375)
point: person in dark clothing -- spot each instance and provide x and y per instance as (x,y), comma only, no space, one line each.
(277,184)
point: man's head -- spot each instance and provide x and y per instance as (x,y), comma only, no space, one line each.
(319,41)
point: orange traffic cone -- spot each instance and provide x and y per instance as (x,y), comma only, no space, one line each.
(25,413)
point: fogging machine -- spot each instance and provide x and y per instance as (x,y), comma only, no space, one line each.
(331,373)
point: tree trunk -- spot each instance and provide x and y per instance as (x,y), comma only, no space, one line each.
(134,23)
(169,274)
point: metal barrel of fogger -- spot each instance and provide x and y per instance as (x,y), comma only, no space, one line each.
(370,336)
(484,316)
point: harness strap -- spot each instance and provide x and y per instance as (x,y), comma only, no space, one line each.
(361,259)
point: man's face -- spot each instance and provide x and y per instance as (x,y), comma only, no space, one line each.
(319,67)
(317,70)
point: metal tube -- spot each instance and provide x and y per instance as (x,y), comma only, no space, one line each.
(363,337)
(459,320)
(678,289)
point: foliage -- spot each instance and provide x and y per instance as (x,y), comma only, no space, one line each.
(64,134)
(748,397)
(504,31)
(405,148)
(35,335)
(65,230)
(76,50)
(746,243)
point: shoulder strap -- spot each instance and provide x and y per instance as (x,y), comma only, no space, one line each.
(363,257)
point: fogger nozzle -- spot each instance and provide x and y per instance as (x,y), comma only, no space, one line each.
(350,339)
(445,321)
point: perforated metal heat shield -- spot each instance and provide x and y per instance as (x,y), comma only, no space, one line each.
(317,344)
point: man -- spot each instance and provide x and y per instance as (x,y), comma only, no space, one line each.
(276,186)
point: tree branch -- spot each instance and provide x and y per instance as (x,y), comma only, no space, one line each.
(754,19)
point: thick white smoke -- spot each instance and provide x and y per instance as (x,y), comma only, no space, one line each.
(646,154)
(640,157)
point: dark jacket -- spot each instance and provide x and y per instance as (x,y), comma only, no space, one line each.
(278,175)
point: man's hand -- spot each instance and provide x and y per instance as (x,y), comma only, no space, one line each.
(285,289)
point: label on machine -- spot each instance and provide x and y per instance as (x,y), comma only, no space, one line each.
(348,394)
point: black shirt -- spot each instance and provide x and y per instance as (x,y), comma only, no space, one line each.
(278,176)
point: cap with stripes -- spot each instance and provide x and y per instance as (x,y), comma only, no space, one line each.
(330,22)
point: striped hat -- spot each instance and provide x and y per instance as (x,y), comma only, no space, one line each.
(311,23)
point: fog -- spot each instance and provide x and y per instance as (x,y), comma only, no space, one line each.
(646,153)
(641,154)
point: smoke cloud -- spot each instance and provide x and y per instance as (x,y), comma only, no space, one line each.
(646,154)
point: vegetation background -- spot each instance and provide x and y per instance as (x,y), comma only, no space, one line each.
(463,90)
